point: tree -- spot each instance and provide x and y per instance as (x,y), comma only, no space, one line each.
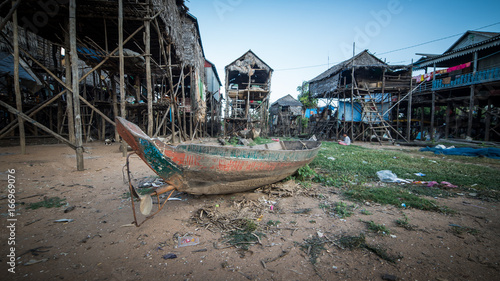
(305,97)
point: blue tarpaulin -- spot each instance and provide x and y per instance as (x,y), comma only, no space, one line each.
(309,110)
(466,151)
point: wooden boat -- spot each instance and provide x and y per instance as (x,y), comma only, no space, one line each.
(217,169)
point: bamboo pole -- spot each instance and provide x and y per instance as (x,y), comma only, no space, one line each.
(122,68)
(115,104)
(17,88)
(409,108)
(172,96)
(471,99)
(75,84)
(147,42)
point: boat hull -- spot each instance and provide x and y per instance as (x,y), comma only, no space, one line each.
(210,169)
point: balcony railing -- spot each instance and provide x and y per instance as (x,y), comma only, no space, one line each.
(483,76)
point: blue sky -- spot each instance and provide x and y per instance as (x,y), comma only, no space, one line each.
(300,39)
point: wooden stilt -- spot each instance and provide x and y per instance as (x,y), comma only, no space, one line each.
(75,84)
(487,122)
(471,99)
(447,127)
(17,88)
(147,42)
(122,69)
(433,113)
(69,96)
(409,108)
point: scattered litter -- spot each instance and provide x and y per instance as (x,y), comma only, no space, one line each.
(364,162)
(389,176)
(393,236)
(174,199)
(419,174)
(128,225)
(320,234)
(64,220)
(403,205)
(69,209)
(331,158)
(169,256)
(432,183)
(449,185)
(30,262)
(188,241)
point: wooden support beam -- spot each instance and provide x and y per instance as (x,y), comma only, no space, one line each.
(19,114)
(447,116)
(487,121)
(147,42)
(17,88)
(75,88)
(172,97)
(433,113)
(122,69)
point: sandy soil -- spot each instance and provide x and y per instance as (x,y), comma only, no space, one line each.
(98,244)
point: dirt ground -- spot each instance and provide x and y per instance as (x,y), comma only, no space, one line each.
(100,244)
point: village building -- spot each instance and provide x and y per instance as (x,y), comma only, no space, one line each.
(69,68)
(363,91)
(285,117)
(248,89)
(459,93)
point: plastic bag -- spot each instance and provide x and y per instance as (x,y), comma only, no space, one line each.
(389,176)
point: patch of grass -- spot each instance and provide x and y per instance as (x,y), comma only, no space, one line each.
(354,165)
(338,209)
(359,242)
(304,173)
(259,140)
(430,191)
(405,223)
(273,223)
(394,196)
(52,202)
(378,228)
(245,235)
(313,248)
(366,212)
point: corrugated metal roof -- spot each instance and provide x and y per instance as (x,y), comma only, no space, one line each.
(492,42)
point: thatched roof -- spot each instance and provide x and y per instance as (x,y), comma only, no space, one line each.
(363,59)
(287,100)
(328,81)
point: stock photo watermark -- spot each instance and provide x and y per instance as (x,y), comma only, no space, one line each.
(11,220)
(223,6)
(39,19)
(373,28)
